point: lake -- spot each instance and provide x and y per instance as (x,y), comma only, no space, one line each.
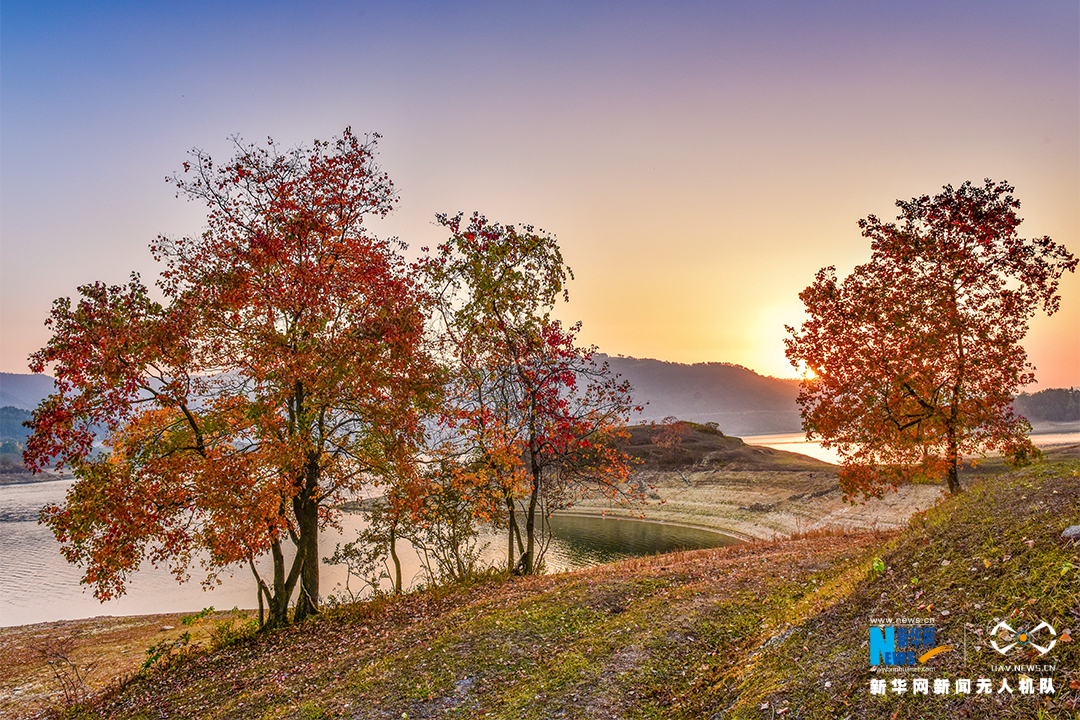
(38,585)
(796,442)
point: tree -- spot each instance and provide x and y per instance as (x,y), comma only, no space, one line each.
(436,514)
(284,369)
(669,437)
(532,417)
(915,356)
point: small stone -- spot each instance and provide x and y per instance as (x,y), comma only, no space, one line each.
(1071,533)
(168,627)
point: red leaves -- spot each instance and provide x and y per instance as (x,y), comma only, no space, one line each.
(287,368)
(916,353)
(533,415)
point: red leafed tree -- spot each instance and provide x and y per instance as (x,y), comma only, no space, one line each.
(532,416)
(669,438)
(916,355)
(284,368)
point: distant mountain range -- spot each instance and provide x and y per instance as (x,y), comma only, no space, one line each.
(24,391)
(740,401)
(737,399)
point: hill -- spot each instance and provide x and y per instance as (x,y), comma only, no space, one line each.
(705,447)
(762,630)
(11,423)
(737,399)
(12,441)
(1053,405)
(23,390)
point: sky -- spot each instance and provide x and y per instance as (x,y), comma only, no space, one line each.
(698,161)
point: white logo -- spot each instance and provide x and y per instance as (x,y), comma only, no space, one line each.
(1023,638)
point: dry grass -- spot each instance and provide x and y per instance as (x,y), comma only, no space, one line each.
(763,630)
(104,649)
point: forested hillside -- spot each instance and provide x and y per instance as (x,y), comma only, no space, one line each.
(24,390)
(737,399)
(1050,405)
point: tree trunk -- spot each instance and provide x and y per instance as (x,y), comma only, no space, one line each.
(513,531)
(307,520)
(510,543)
(517,536)
(530,524)
(260,590)
(954,406)
(278,611)
(394,556)
(951,458)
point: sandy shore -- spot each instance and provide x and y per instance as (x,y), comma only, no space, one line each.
(766,504)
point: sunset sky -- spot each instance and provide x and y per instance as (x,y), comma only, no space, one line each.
(698,161)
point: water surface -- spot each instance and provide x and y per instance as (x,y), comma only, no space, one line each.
(797,443)
(38,585)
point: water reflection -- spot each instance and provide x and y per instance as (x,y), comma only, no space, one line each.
(581,540)
(38,585)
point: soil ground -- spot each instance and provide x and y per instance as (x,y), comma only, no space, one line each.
(669,636)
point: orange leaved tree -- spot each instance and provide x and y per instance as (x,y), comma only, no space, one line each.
(532,417)
(283,368)
(916,355)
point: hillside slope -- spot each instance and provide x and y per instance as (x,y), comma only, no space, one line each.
(739,400)
(762,630)
(23,390)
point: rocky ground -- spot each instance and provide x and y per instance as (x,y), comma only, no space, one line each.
(719,482)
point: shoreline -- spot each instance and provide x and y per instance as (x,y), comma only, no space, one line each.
(628,515)
(767,505)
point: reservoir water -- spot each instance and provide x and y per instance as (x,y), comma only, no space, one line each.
(796,442)
(38,585)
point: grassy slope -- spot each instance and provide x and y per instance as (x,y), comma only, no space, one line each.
(754,631)
(993,552)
